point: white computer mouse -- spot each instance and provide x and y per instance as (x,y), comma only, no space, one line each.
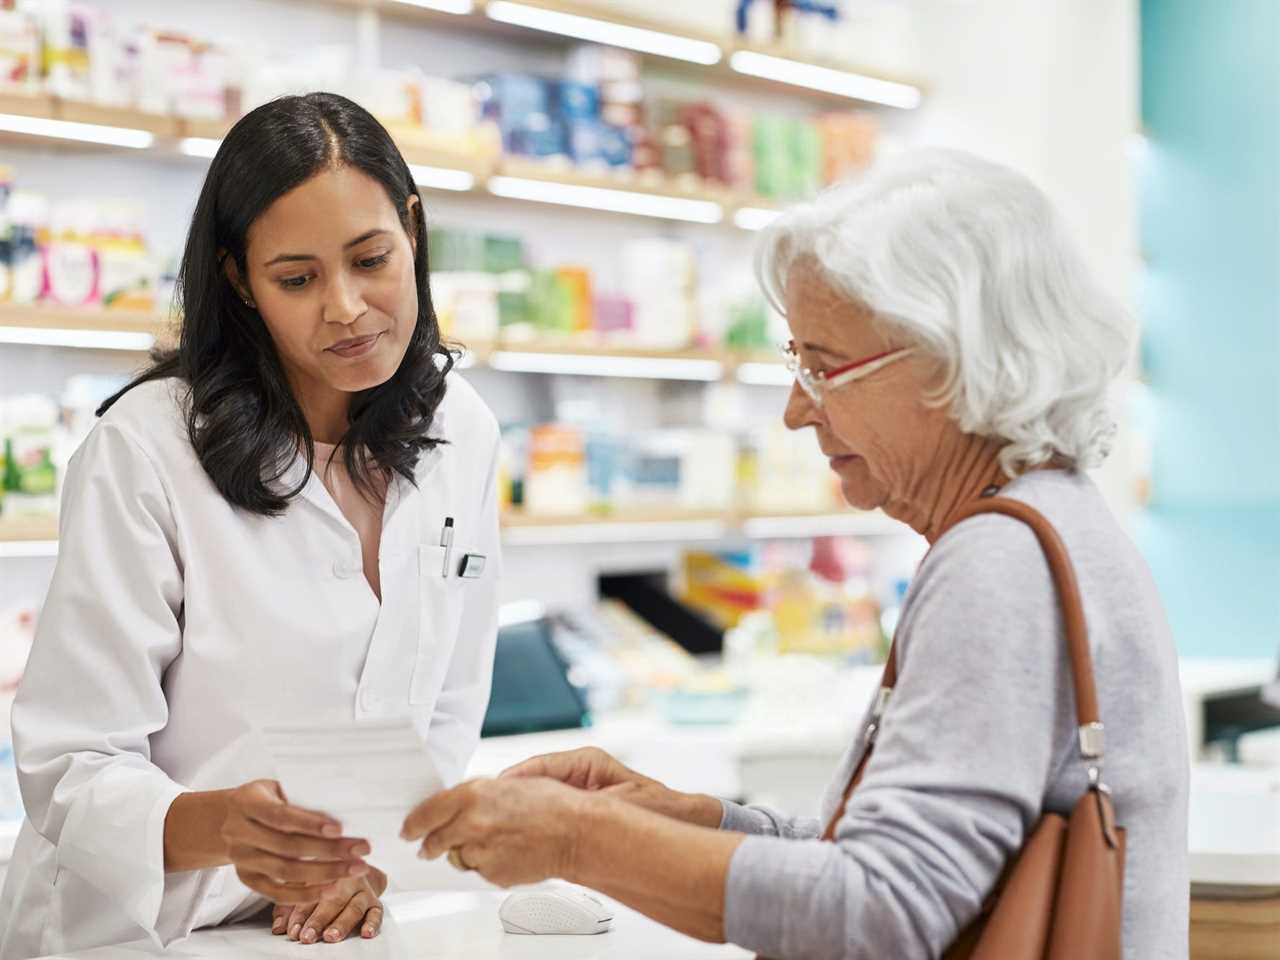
(554,910)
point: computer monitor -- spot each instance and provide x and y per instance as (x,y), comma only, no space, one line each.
(531,688)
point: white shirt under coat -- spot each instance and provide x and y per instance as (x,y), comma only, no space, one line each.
(177,625)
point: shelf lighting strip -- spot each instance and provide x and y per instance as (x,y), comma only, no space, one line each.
(855,86)
(765,374)
(27,549)
(621,532)
(87,339)
(754,218)
(84,132)
(442,178)
(440,6)
(593,365)
(650,531)
(206,147)
(605,198)
(605,31)
(835,524)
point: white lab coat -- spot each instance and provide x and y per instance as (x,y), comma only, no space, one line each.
(176,626)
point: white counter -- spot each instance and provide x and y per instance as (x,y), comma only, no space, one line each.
(440,926)
(1234,830)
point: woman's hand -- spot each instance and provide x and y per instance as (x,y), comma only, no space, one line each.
(590,768)
(351,903)
(287,854)
(510,831)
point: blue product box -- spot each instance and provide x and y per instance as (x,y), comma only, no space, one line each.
(615,145)
(584,141)
(536,136)
(577,101)
(509,98)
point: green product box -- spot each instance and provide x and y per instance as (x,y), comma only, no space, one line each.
(513,308)
(550,303)
(804,166)
(502,253)
(770,152)
(452,251)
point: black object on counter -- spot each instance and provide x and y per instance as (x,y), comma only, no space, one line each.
(647,595)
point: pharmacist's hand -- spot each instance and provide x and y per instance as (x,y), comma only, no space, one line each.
(287,854)
(590,768)
(351,904)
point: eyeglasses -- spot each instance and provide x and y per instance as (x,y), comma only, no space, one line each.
(817,384)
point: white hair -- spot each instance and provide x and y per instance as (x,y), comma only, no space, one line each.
(968,260)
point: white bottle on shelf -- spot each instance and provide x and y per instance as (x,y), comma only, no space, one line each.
(70,260)
(28,218)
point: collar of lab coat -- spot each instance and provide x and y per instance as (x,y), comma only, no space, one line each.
(315,493)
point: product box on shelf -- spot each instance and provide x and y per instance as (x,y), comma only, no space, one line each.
(28,436)
(82,252)
(19,52)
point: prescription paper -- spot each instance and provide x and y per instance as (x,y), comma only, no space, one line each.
(367,775)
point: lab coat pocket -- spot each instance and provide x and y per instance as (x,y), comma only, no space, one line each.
(440,598)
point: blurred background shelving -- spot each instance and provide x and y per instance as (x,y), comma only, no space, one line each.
(591,210)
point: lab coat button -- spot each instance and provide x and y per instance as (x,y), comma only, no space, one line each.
(344,571)
(369,699)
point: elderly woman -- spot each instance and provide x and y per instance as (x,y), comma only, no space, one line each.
(948,341)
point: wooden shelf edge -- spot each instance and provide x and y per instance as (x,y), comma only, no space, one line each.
(45,317)
(22,529)
(731,518)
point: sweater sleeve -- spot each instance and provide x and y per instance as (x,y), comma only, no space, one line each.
(765,821)
(957,779)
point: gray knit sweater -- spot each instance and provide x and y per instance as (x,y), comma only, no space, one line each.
(979,738)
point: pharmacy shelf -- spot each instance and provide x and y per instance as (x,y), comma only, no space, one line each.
(714,58)
(90,329)
(35,536)
(675,526)
(31,537)
(73,125)
(138,332)
(469,166)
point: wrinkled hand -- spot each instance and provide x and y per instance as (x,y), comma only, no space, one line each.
(588,768)
(510,831)
(287,854)
(591,768)
(351,903)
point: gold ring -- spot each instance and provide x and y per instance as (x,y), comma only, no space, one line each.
(455,858)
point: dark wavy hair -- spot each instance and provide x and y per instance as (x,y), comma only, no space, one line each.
(244,422)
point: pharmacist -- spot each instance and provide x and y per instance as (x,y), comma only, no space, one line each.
(290,518)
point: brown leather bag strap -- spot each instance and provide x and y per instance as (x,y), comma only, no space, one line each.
(1068,590)
(1064,578)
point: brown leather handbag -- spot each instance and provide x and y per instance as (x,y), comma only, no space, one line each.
(1060,897)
